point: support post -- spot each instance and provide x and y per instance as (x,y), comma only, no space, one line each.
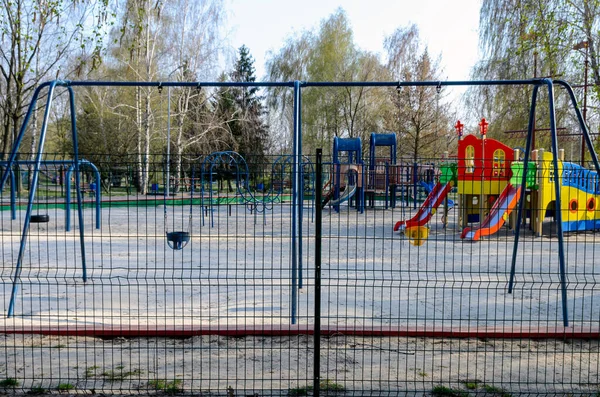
(528,146)
(300,168)
(296,197)
(32,191)
(78,182)
(15,150)
(318,252)
(559,226)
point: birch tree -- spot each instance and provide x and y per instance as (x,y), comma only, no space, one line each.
(42,40)
(420,116)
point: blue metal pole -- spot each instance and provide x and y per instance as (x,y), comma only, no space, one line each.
(336,173)
(97,193)
(13,199)
(584,128)
(297,149)
(34,183)
(71,165)
(78,182)
(12,193)
(530,132)
(17,143)
(387,185)
(300,168)
(415,180)
(68,198)
(559,226)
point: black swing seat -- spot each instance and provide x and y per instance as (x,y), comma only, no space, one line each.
(39,218)
(178,240)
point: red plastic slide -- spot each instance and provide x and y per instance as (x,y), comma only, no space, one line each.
(499,213)
(427,210)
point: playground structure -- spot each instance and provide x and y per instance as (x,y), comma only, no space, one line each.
(241,280)
(232,165)
(438,194)
(383,172)
(578,186)
(258,199)
(382,178)
(489,176)
(347,174)
(484,172)
(354,175)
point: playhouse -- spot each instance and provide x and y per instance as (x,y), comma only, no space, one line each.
(483,173)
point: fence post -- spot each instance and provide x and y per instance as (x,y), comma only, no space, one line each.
(318,234)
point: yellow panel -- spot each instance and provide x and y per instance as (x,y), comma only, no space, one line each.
(567,194)
(478,187)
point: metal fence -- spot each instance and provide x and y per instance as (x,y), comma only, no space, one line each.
(200,285)
(223,274)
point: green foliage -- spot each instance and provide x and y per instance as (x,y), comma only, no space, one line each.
(300,391)
(328,55)
(447,392)
(325,385)
(169,387)
(328,385)
(241,108)
(119,375)
(9,382)
(528,39)
(420,115)
(91,371)
(37,43)
(471,384)
(65,387)
(496,391)
(37,390)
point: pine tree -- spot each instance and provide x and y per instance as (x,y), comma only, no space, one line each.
(249,129)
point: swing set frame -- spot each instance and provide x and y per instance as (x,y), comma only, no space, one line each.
(297,183)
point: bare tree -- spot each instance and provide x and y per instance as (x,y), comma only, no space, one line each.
(195,29)
(36,41)
(420,117)
(141,38)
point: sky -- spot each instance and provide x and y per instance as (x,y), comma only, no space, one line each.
(447,27)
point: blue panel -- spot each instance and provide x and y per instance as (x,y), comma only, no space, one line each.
(578,226)
(383,139)
(581,178)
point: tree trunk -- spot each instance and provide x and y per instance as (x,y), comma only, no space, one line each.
(139,162)
(146,159)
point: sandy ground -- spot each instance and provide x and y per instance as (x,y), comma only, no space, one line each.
(276,365)
(237,272)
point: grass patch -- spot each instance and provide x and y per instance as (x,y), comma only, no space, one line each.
(300,391)
(37,390)
(9,382)
(172,387)
(119,375)
(471,384)
(496,391)
(325,385)
(448,392)
(65,387)
(91,371)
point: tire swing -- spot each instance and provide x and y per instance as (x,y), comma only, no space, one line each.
(176,240)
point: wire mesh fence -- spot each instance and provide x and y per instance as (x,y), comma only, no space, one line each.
(204,279)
